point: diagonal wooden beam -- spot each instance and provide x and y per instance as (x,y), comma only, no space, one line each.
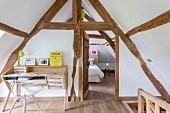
(12,30)
(77,44)
(59,26)
(88,26)
(95,36)
(157,21)
(70,20)
(108,39)
(131,46)
(113,39)
(54,9)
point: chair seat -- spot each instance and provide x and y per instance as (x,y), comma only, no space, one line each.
(30,91)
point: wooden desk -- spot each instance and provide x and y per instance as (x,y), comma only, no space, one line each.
(58,75)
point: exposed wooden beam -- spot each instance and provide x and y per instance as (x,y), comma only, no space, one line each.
(108,39)
(131,46)
(59,26)
(83,26)
(77,45)
(103,34)
(95,36)
(91,26)
(116,67)
(96,44)
(54,9)
(113,39)
(158,21)
(90,19)
(12,30)
(70,20)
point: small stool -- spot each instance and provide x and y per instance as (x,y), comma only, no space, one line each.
(107,68)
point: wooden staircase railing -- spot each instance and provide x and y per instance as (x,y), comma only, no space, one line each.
(148,103)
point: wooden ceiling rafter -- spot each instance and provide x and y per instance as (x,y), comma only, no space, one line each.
(52,11)
(91,26)
(95,36)
(131,46)
(12,30)
(153,23)
(59,26)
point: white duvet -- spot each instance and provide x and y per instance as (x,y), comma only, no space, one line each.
(94,70)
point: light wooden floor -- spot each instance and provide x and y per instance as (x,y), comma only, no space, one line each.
(100,99)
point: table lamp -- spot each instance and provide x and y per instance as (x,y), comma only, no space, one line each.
(107,64)
(20,54)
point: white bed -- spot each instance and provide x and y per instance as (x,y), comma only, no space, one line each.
(95,74)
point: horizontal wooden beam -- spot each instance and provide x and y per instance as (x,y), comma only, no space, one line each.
(95,36)
(12,30)
(158,21)
(59,26)
(96,44)
(88,26)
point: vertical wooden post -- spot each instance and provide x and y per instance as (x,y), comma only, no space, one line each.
(148,106)
(140,103)
(157,108)
(77,42)
(81,71)
(117,68)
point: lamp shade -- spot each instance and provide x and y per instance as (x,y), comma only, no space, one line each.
(107,64)
(21,53)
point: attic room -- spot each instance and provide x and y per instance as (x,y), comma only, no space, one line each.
(74,56)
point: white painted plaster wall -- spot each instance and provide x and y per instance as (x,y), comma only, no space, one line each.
(41,45)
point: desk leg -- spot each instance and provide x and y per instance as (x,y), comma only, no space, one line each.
(6,101)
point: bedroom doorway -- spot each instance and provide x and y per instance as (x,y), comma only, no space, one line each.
(95,80)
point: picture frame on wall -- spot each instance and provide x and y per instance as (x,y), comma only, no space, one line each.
(43,61)
(30,61)
(94,52)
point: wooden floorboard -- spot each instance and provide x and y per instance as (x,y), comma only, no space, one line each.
(100,99)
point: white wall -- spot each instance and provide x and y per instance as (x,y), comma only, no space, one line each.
(41,45)
(131,75)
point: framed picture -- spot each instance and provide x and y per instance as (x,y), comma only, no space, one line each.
(43,61)
(94,52)
(30,61)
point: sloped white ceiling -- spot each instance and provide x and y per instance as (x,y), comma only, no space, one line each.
(23,14)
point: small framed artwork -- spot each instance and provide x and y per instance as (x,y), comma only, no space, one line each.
(94,52)
(43,61)
(30,62)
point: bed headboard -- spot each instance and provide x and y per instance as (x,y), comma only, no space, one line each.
(94,55)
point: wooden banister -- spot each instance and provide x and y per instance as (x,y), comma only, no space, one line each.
(153,104)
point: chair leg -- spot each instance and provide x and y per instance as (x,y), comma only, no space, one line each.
(37,104)
(24,107)
(13,105)
(65,99)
